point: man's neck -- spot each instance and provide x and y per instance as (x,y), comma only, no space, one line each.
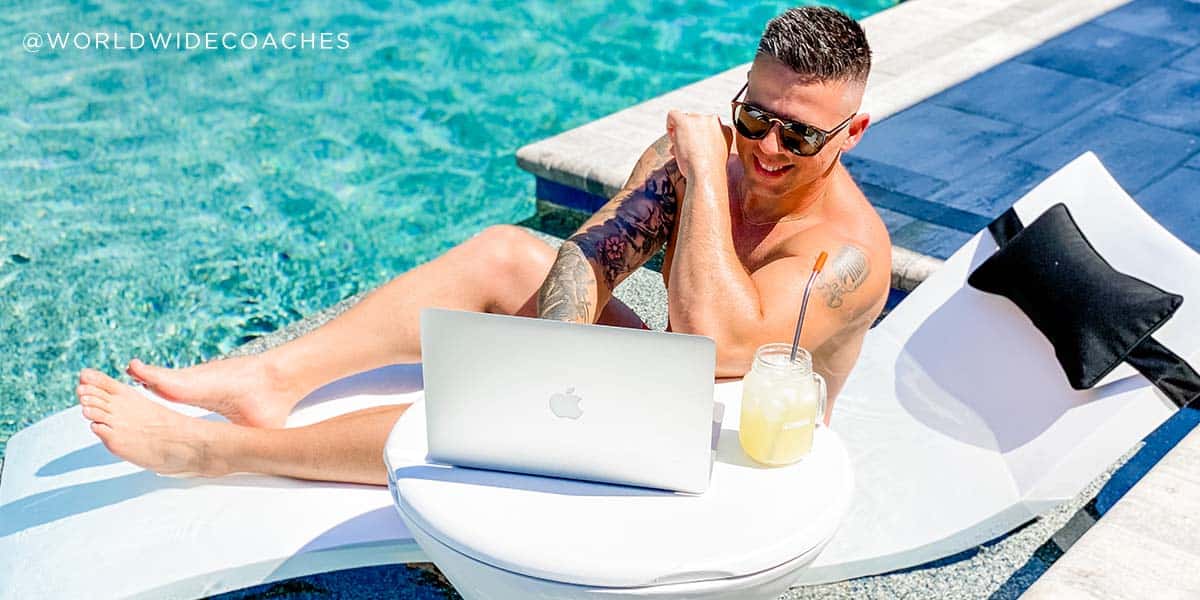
(798,204)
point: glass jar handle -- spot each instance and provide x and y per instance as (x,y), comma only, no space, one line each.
(821,399)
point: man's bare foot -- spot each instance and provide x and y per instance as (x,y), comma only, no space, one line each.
(242,389)
(144,433)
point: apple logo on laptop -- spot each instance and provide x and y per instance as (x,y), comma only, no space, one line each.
(566,405)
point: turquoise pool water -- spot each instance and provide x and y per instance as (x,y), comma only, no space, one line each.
(173,204)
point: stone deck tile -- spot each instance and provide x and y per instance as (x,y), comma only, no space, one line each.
(1189,62)
(1026,95)
(993,187)
(1104,54)
(1173,104)
(1134,152)
(1174,20)
(940,142)
(1172,201)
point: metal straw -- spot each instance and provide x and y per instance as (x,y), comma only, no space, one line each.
(804,303)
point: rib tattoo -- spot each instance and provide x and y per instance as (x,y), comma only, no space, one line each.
(846,273)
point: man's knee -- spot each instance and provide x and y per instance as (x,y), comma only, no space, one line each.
(511,251)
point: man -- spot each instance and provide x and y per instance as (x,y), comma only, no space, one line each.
(742,227)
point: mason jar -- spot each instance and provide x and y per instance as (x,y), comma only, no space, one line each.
(782,402)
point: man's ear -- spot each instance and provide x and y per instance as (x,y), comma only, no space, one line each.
(855,130)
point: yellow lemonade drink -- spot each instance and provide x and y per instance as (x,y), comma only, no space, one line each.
(782,401)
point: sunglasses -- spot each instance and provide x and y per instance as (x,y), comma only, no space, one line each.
(798,138)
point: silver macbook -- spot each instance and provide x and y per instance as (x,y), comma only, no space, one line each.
(591,402)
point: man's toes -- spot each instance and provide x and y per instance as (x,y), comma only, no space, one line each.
(87,389)
(100,380)
(147,374)
(96,414)
(100,400)
(89,376)
(104,432)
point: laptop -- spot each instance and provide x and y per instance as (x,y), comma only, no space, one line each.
(542,397)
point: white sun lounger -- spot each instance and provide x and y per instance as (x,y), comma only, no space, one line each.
(76,522)
(949,447)
(958,418)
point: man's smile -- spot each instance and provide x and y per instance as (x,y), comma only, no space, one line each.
(766,169)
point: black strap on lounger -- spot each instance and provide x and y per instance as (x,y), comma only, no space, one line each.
(1172,375)
(1005,227)
(1167,371)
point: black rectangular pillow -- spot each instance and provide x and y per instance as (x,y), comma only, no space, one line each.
(1094,315)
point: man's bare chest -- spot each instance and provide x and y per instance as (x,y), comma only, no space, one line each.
(755,247)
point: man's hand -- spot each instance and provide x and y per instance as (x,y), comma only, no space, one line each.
(700,143)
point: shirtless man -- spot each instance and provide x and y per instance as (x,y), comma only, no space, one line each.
(742,228)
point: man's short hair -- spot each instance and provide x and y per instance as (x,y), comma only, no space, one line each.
(818,42)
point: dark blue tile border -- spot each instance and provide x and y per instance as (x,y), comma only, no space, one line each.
(933,212)
(567,196)
(896,179)
(893,299)
(1157,445)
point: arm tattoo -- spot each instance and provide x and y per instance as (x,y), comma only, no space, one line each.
(629,230)
(639,225)
(845,273)
(564,295)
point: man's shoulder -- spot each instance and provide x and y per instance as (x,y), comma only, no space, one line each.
(855,220)
(852,222)
(858,269)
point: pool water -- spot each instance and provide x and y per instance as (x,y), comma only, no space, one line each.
(172,205)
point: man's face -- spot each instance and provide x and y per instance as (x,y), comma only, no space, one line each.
(770,169)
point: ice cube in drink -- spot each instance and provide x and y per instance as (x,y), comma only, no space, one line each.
(781,402)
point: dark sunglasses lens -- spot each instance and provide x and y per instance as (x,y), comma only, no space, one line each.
(805,142)
(751,123)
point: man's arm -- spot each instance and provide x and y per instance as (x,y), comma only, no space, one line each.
(744,311)
(615,241)
(713,294)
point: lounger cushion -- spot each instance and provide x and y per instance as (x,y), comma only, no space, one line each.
(1093,314)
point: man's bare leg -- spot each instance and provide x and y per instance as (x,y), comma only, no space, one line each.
(347,448)
(498,270)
